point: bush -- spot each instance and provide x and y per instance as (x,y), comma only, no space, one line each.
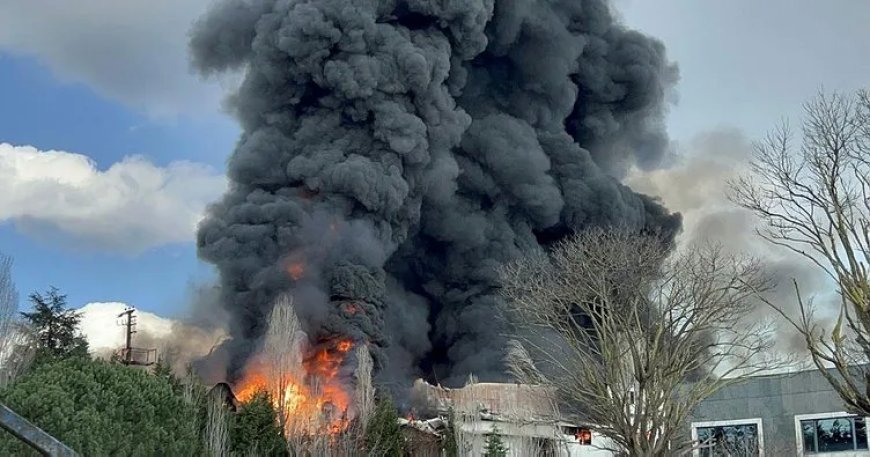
(101,409)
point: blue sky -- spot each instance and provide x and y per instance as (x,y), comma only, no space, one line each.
(104,82)
(40,110)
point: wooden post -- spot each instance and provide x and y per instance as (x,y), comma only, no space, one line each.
(128,348)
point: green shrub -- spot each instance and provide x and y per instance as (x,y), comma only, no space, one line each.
(101,409)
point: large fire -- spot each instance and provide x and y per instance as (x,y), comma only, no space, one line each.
(313,403)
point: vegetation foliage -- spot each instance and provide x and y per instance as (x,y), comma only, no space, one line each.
(255,429)
(102,409)
(55,327)
(615,323)
(495,447)
(813,199)
(383,435)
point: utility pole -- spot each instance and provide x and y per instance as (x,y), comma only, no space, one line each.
(130,323)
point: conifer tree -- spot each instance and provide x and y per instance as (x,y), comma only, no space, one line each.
(255,429)
(495,447)
(55,326)
(162,368)
(101,409)
(383,434)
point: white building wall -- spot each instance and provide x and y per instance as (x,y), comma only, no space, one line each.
(522,440)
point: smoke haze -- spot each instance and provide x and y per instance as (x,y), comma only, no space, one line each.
(696,185)
(395,152)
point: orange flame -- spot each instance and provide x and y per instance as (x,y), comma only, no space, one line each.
(319,402)
(296,270)
(351,308)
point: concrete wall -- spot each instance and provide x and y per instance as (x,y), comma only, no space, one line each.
(776,400)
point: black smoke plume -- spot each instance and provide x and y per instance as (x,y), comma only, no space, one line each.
(395,152)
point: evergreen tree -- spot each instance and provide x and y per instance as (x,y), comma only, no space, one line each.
(495,447)
(163,371)
(102,409)
(55,326)
(255,429)
(383,434)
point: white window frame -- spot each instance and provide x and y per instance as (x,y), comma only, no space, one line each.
(754,421)
(799,433)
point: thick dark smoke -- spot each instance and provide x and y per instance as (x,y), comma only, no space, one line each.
(402,149)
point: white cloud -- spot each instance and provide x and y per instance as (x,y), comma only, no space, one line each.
(131,50)
(101,325)
(132,206)
(178,342)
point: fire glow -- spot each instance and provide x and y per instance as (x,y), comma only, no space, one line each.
(296,270)
(351,308)
(314,404)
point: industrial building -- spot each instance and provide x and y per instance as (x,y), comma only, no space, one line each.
(794,414)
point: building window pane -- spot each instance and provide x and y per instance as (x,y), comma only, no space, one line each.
(809,431)
(860,433)
(834,434)
(739,440)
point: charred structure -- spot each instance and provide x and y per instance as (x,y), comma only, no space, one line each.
(395,152)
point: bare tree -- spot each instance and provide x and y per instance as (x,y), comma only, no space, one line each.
(8,304)
(364,394)
(16,340)
(815,201)
(216,433)
(20,351)
(631,339)
(283,355)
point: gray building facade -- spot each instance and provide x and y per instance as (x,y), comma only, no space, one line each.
(795,414)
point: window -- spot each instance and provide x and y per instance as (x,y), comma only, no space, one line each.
(832,432)
(735,438)
(583,435)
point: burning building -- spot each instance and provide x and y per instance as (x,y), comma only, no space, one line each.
(525,416)
(394,153)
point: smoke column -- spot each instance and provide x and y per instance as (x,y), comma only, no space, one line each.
(395,152)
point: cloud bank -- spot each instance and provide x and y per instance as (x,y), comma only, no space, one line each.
(130,207)
(133,51)
(178,342)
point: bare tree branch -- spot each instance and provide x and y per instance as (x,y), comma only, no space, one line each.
(364,394)
(282,353)
(216,426)
(815,201)
(632,339)
(17,345)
